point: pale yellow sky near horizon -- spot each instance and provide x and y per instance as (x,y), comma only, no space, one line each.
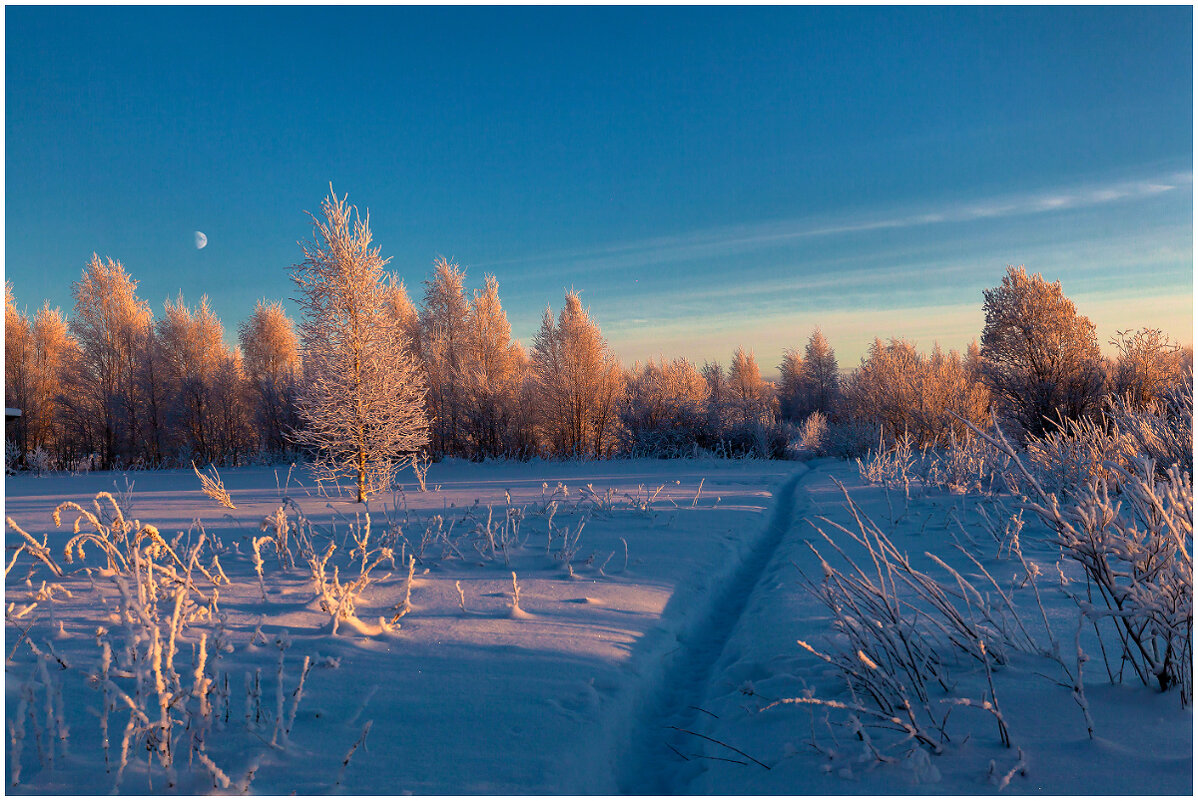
(850,331)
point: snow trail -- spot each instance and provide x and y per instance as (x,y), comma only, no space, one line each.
(659,757)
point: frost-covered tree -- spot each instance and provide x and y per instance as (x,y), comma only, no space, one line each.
(156,391)
(53,358)
(402,310)
(362,395)
(810,382)
(790,385)
(578,382)
(664,410)
(489,374)
(741,411)
(1039,356)
(18,358)
(233,425)
(821,376)
(973,360)
(192,346)
(951,386)
(1148,365)
(751,396)
(903,391)
(718,398)
(442,339)
(110,324)
(524,435)
(885,389)
(270,359)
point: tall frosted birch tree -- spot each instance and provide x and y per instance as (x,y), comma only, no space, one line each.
(578,382)
(271,361)
(361,397)
(443,335)
(110,323)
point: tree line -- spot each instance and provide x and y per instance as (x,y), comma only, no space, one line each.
(115,386)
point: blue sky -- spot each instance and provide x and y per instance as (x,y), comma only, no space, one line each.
(709,178)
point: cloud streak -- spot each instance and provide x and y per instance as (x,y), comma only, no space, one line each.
(897,279)
(735,239)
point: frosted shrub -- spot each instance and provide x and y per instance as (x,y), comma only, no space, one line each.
(663,412)
(769,442)
(850,439)
(889,466)
(964,464)
(1161,429)
(1076,453)
(1137,556)
(741,419)
(1148,365)
(762,439)
(1079,451)
(1132,532)
(39,460)
(814,433)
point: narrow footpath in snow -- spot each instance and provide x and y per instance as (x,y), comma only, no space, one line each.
(664,736)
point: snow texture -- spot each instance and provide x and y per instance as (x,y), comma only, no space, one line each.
(583,627)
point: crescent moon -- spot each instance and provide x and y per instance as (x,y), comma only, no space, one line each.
(201,240)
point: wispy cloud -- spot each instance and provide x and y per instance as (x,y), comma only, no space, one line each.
(908,277)
(744,238)
(1120,280)
(1125,258)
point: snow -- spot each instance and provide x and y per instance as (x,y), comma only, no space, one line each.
(698,631)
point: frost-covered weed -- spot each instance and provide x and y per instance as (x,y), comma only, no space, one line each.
(889,466)
(339,599)
(162,682)
(568,544)
(1075,453)
(162,691)
(902,639)
(1126,519)
(603,504)
(420,464)
(1132,532)
(1068,456)
(1163,428)
(213,487)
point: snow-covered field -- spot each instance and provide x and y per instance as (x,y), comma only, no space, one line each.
(659,615)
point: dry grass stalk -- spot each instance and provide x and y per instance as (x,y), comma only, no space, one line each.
(213,487)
